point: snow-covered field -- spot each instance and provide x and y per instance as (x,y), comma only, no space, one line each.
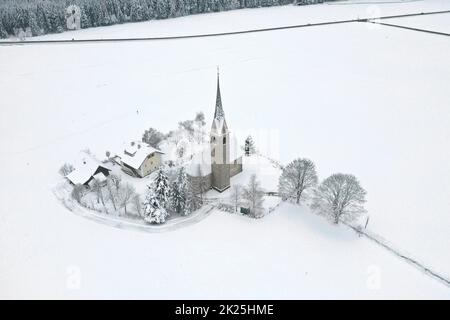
(355,98)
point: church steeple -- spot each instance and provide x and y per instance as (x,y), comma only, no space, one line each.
(218,114)
(220,146)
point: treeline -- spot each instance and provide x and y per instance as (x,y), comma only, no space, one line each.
(40,17)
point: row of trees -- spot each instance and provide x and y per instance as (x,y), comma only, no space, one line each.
(48,16)
(112,195)
(339,197)
(180,196)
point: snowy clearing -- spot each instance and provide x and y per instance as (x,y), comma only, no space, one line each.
(357,98)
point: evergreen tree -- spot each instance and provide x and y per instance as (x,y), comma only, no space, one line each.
(153,211)
(33,24)
(85,21)
(193,198)
(3,33)
(249,146)
(179,193)
(161,188)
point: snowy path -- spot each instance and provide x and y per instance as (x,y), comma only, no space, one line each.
(123,223)
(409,28)
(406,257)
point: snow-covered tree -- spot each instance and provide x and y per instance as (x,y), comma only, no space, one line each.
(236,196)
(137,204)
(112,187)
(340,197)
(153,137)
(98,190)
(78,192)
(296,179)
(200,119)
(253,195)
(200,126)
(193,197)
(154,212)
(124,195)
(161,187)
(115,180)
(249,147)
(66,169)
(179,192)
(188,126)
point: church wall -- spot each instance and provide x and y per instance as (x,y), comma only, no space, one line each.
(221,176)
(236,168)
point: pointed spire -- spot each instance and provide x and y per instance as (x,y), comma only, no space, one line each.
(219,110)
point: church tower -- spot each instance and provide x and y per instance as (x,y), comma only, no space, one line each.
(220,146)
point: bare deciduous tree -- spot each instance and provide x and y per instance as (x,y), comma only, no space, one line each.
(137,204)
(253,194)
(78,192)
(153,137)
(236,196)
(340,196)
(98,190)
(125,195)
(297,177)
(200,123)
(66,169)
(187,125)
(115,180)
(112,190)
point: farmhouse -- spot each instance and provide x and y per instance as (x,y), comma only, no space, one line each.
(221,159)
(87,170)
(139,159)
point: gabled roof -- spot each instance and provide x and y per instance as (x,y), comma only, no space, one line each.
(85,168)
(136,152)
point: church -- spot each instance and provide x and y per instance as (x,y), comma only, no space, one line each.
(221,159)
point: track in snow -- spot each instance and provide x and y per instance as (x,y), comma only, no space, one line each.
(369,19)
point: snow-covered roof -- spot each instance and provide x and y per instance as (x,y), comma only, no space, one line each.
(85,168)
(136,152)
(100,176)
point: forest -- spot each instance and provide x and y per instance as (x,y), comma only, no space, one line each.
(41,17)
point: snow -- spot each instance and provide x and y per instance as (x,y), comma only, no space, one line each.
(354,98)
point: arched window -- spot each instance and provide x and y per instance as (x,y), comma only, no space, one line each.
(224,140)
(213,139)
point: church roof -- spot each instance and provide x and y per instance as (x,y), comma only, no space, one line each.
(218,113)
(219,124)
